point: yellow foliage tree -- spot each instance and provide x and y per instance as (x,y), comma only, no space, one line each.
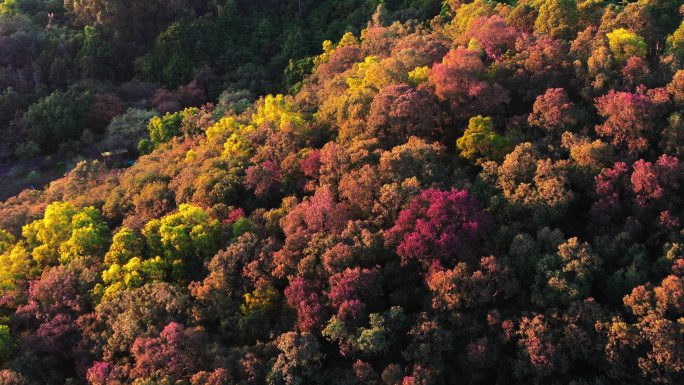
(278,111)
(419,75)
(625,44)
(16,266)
(65,233)
(224,128)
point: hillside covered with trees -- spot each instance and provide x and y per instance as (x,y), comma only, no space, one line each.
(336,192)
(67,68)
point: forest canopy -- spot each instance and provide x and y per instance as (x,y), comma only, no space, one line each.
(344,192)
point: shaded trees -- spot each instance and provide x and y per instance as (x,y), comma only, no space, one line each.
(399,112)
(59,117)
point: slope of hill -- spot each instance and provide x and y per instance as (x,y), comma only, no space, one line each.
(71,70)
(493,196)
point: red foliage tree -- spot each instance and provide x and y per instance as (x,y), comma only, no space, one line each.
(319,214)
(539,63)
(104,373)
(303,296)
(651,182)
(440,226)
(538,353)
(263,178)
(642,200)
(54,302)
(460,80)
(653,343)
(630,119)
(553,112)
(219,376)
(352,290)
(359,188)
(458,288)
(57,291)
(177,352)
(312,164)
(399,112)
(341,59)
(422,49)
(636,71)
(493,35)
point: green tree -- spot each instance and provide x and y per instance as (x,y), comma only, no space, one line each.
(299,361)
(180,48)
(557,18)
(372,340)
(163,128)
(145,146)
(97,57)
(567,275)
(296,72)
(6,345)
(675,43)
(376,338)
(126,130)
(480,142)
(123,21)
(241,226)
(59,117)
